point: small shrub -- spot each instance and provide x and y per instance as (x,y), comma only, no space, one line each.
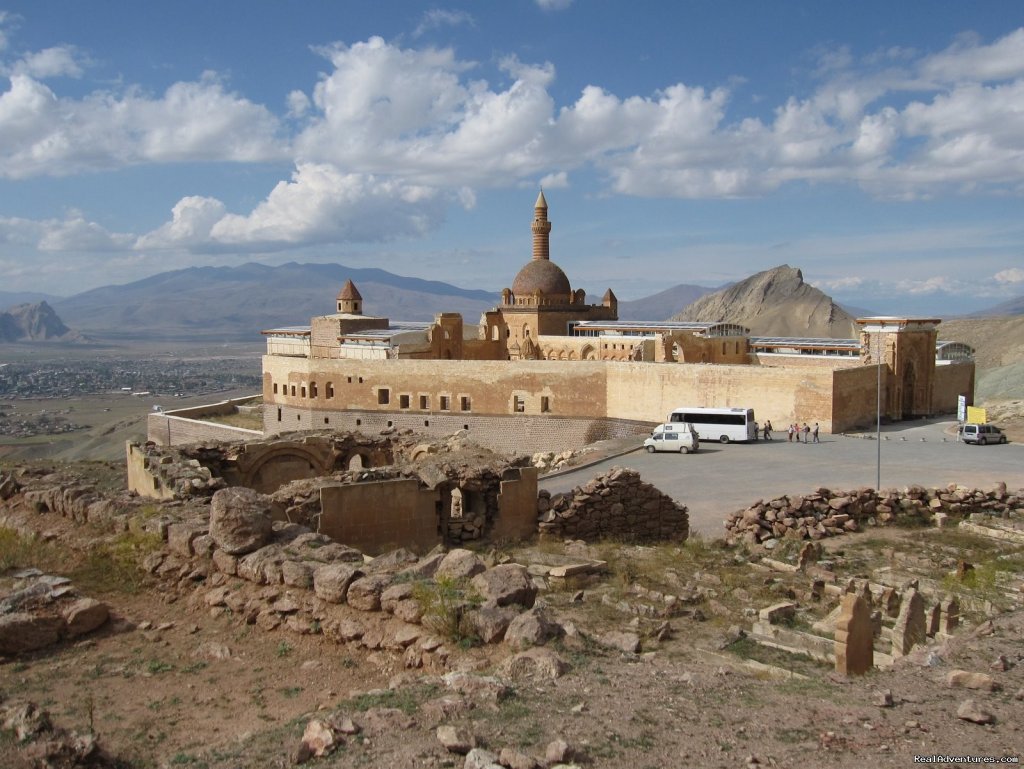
(445,604)
(19,552)
(115,566)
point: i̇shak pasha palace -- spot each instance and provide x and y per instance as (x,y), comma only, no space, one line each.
(545,370)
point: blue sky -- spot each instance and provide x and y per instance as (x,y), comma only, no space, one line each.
(878,146)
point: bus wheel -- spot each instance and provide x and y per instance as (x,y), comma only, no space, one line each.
(650,449)
(724,439)
(684,449)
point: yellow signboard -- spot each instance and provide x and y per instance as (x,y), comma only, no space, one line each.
(976,415)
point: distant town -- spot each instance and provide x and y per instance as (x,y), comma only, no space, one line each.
(147,378)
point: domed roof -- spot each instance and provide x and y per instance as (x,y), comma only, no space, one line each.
(541,274)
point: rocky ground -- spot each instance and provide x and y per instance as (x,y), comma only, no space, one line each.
(649,668)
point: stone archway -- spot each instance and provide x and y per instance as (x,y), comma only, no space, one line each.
(280,464)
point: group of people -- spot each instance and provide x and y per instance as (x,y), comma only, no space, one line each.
(795,431)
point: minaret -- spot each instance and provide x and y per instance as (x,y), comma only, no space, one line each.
(541,227)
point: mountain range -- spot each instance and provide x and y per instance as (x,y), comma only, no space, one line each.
(236,303)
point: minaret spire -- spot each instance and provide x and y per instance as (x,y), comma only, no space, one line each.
(541,227)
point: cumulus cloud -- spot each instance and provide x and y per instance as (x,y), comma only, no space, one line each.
(192,219)
(1012,276)
(73,233)
(391,135)
(553,5)
(319,204)
(43,134)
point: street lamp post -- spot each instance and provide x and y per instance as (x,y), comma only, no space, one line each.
(878,426)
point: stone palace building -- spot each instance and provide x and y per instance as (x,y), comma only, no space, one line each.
(544,370)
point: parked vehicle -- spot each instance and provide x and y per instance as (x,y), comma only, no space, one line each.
(981,434)
(673,436)
(723,425)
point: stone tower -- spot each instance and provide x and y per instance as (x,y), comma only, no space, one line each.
(350,301)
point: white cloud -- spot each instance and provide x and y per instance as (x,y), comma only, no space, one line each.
(1011,276)
(43,134)
(838,284)
(321,204)
(553,5)
(436,18)
(556,181)
(74,233)
(192,219)
(969,60)
(50,62)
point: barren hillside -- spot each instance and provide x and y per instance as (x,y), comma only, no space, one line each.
(775,302)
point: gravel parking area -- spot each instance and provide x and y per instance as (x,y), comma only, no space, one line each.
(721,479)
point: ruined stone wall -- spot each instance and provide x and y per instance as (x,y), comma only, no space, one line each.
(827,512)
(378,516)
(616,505)
(516,503)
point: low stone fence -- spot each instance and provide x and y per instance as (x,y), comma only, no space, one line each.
(616,505)
(825,512)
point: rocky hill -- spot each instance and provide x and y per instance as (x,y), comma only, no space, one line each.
(775,302)
(36,323)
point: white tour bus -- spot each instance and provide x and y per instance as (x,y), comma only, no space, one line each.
(723,425)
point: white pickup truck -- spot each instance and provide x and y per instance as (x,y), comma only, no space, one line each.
(673,436)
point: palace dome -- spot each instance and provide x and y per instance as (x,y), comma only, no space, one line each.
(541,274)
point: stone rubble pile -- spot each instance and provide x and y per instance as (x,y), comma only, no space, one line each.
(825,512)
(617,504)
(43,610)
(179,474)
(549,461)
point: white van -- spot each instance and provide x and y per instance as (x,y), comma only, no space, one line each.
(673,436)
(981,434)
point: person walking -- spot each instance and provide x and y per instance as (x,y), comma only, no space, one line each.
(806,431)
(756,429)
(814,434)
(792,429)
(767,429)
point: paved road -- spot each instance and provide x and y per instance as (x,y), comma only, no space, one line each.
(721,479)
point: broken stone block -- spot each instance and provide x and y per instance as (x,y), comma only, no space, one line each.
(240,520)
(970,710)
(854,637)
(331,582)
(455,740)
(779,612)
(964,679)
(84,616)
(506,584)
(910,628)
